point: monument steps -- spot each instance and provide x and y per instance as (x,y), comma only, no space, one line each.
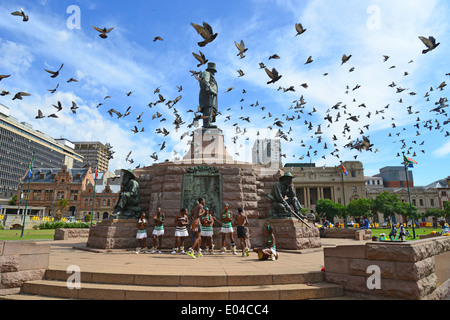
(102,291)
(114,286)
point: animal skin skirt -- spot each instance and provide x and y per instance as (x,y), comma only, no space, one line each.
(181,232)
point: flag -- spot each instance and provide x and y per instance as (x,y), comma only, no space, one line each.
(96,173)
(344,171)
(30,167)
(408,162)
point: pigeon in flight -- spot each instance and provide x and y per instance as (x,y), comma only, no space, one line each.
(201,58)
(430,42)
(206,32)
(299,28)
(54,74)
(21,94)
(273,75)
(4,76)
(345,58)
(241,47)
(22,14)
(103,32)
(40,115)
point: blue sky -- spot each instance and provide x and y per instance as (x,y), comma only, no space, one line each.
(130,61)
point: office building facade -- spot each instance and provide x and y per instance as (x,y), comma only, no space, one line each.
(94,153)
(18,141)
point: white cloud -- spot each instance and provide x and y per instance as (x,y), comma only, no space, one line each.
(14,58)
(443,151)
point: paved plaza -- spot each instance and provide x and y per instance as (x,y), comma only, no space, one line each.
(64,255)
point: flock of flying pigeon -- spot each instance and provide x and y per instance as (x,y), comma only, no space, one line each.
(333,114)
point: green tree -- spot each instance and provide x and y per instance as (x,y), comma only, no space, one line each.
(435,214)
(63,203)
(339,210)
(403,209)
(13,200)
(446,211)
(387,204)
(327,208)
(360,208)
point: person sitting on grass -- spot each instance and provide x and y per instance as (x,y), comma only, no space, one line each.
(445,227)
(393,233)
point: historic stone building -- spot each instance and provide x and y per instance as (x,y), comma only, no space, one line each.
(48,186)
(313,183)
(431,196)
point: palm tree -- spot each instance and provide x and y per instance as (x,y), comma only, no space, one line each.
(63,203)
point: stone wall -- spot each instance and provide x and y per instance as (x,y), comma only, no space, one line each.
(408,270)
(69,233)
(21,261)
(243,185)
(338,233)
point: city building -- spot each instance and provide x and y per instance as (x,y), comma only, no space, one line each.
(18,140)
(49,186)
(395,177)
(443,188)
(374,182)
(313,183)
(431,196)
(266,151)
(94,153)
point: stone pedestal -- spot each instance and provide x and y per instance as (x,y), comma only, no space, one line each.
(114,234)
(208,146)
(290,234)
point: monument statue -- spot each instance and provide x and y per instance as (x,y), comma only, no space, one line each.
(127,205)
(208,96)
(282,196)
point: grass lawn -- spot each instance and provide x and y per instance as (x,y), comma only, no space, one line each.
(418,231)
(27,234)
(49,233)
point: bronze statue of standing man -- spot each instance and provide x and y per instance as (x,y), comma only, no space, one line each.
(208,96)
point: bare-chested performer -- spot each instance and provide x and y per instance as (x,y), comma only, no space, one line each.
(241,220)
(195,216)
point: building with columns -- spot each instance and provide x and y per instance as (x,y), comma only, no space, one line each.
(313,183)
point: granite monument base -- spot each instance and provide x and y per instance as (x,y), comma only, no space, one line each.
(290,234)
(113,234)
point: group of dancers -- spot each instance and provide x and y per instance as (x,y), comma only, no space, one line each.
(202,232)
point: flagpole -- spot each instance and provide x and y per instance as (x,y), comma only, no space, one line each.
(93,199)
(409,196)
(343,192)
(28,192)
